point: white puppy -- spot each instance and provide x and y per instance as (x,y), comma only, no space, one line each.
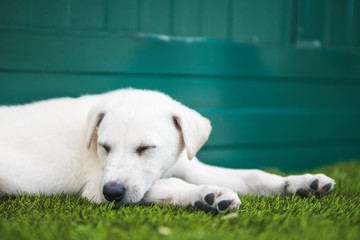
(126,146)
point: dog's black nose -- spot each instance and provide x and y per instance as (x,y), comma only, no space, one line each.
(114,192)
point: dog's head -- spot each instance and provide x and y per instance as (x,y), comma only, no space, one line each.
(138,136)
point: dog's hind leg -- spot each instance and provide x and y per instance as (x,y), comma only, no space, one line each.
(205,197)
(255,182)
(12,172)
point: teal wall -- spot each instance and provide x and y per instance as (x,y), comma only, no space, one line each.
(279,79)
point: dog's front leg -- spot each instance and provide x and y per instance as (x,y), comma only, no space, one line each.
(255,182)
(205,197)
(91,189)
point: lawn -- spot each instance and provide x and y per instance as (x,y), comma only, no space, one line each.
(335,216)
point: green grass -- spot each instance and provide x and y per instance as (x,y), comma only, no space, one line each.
(336,216)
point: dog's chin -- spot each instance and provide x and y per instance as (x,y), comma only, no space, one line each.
(125,202)
(129,200)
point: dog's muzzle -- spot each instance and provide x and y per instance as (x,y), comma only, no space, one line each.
(114,192)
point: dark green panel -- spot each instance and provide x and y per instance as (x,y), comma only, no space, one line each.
(314,18)
(216,19)
(321,22)
(187,17)
(339,23)
(81,52)
(122,15)
(15,13)
(286,158)
(51,14)
(155,16)
(260,21)
(87,15)
(356,24)
(245,21)
(328,22)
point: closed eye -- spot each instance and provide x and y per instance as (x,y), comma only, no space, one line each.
(106,147)
(142,149)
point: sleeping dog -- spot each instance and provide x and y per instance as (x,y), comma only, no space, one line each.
(127,146)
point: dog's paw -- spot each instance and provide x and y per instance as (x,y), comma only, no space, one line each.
(308,185)
(213,199)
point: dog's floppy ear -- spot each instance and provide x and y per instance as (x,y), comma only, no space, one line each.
(95,116)
(194,128)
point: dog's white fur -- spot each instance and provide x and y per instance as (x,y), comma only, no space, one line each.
(59,146)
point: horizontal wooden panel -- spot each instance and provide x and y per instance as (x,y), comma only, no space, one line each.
(148,54)
(286,158)
(252,127)
(195,92)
